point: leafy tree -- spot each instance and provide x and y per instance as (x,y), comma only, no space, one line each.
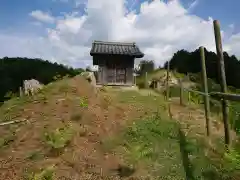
(14,70)
(189,62)
(146,66)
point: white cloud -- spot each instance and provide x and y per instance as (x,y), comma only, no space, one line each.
(42,16)
(232,44)
(160,29)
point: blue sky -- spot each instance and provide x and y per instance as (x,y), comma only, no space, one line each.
(14,13)
(17,21)
(227,12)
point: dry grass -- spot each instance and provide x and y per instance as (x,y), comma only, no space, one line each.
(73,133)
(27,148)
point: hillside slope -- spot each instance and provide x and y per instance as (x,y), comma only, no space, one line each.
(71,132)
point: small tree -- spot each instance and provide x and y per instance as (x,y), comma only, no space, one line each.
(146,66)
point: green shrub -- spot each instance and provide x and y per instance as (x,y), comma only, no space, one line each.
(83,103)
(59,138)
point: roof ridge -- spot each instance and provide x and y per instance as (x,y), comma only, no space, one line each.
(114,42)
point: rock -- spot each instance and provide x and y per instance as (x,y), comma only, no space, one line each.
(31,86)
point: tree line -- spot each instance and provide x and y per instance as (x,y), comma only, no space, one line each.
(145,66)
(190,62)
(14,70)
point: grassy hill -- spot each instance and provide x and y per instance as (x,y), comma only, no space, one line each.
(72,132)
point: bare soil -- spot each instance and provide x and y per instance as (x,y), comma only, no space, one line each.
(83,158)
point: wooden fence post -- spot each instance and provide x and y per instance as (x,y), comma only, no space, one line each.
(20,91)
(167,90)
(181,91)
(146,81)
(223,80)
(189,97)
(167,81)
(205,88)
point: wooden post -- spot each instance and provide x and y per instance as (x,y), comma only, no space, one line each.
(188,78)
(146,81)
(189,93)
(189,97)
(167,90)
(181,91)
(205,88)
(20,91)
(223,80)
(167,81)
(134,80)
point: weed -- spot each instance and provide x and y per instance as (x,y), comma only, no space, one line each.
(45,174)
(5,141)
(35,155)
(59,138)
(83,103)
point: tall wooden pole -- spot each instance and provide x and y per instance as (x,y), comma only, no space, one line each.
(167,81)
(181,91)
(205,88)
(167,90)
(146,80)
(20,92)
(223,83)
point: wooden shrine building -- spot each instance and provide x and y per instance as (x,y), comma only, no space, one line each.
(115,62)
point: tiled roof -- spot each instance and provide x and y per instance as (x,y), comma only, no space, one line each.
(115,48)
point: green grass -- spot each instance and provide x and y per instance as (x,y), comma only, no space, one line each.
(234,112)
(151,141)
(136,98)
(160,146)
(13,108)
(233,160)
